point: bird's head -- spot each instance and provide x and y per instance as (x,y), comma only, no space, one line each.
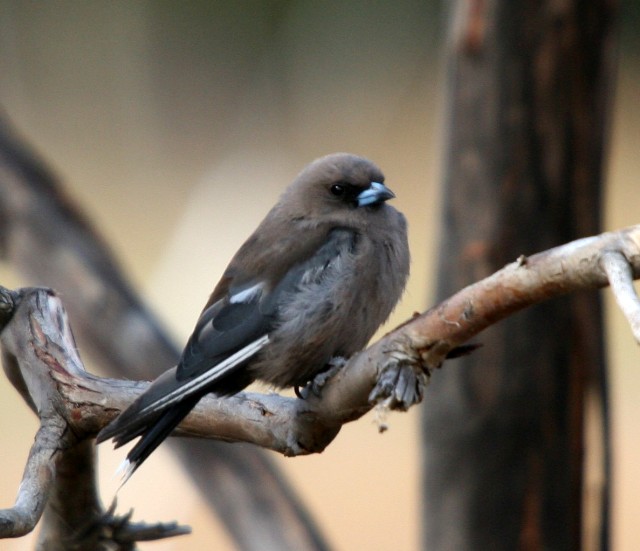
(337,183)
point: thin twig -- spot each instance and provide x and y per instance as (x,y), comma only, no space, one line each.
(620,275)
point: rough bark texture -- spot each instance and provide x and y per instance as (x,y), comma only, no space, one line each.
(528,92)
(59,482)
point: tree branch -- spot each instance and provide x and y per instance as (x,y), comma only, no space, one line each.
(40,358)
(621,275)
(59,479)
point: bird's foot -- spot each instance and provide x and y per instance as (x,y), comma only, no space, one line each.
(315,386)
(401,382)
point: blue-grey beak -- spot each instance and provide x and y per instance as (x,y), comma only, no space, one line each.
(375,194)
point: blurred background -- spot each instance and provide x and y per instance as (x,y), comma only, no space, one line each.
(177,125)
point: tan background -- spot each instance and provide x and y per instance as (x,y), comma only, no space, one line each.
(177,125)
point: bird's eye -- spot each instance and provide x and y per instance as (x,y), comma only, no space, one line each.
(337,189)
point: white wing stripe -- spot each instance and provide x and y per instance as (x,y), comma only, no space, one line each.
(247,295)
(205,378)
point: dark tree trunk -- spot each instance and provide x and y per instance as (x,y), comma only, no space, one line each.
(529,97)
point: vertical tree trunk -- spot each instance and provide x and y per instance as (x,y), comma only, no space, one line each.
(529,96)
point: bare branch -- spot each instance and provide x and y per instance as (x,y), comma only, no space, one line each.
(41,360)
(74,518)
(620,274)
(59,479)
(378,375)
(568,268)
(35,486)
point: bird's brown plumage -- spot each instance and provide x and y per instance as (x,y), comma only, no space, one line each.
(315,280)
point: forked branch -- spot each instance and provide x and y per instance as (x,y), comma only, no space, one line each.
(41,360)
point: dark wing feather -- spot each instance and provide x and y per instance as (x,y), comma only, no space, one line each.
(229,324)
(222,330)
(228,334)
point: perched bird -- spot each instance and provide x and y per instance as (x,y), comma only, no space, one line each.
(315,280)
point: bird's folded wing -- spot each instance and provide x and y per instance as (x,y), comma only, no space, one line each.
(228,334)
(167,390)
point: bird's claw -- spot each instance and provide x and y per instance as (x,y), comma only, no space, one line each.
(315,386)
(401,383)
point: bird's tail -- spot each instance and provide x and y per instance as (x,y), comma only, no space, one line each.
(168,400)
(152,436)
(150,418)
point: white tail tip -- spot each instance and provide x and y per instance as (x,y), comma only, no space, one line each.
(125,470)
